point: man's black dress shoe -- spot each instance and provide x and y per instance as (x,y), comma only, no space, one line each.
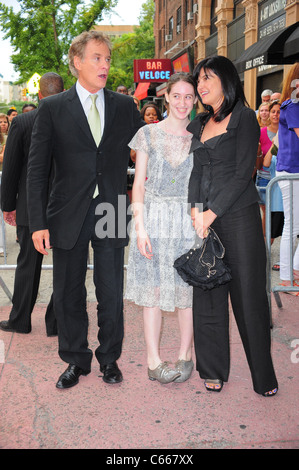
(112,374)
(70,376)
(5,326)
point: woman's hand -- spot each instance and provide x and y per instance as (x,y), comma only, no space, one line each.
(144,244)
(201,221)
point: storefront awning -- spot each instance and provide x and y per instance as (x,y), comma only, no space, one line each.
(269,50)
(291,47)
(141,90)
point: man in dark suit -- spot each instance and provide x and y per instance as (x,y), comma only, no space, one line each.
(87,203)
(14,207)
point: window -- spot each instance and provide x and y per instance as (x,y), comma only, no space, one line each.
(213,28)
(186,11)
(239,9)
(179,20)
(171,25)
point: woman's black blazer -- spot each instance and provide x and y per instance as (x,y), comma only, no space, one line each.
(221,178)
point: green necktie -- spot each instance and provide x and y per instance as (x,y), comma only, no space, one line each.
(94,120)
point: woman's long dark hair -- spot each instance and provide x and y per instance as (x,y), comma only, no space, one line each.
(230,82)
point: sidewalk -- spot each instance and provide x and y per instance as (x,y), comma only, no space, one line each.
(139,413)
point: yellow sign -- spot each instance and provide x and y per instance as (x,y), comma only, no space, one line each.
(33,84)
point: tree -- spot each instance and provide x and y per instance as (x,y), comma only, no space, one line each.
(137,45)
(42,31)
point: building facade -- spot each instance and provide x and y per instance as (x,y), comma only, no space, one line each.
(187,31)
(10,92)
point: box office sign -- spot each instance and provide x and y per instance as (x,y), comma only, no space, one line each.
(152,70)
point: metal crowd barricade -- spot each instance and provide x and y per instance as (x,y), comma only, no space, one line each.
(12,267)
(279,288)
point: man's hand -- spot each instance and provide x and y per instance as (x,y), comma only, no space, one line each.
(10,217)
(41,241)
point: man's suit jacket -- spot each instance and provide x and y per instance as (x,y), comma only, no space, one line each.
(61,132)
(14,172)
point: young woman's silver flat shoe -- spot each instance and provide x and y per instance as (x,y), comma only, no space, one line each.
(184,368)
(163,373)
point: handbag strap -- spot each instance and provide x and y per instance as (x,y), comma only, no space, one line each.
(221,252)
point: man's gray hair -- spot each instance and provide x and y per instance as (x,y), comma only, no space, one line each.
(267,93)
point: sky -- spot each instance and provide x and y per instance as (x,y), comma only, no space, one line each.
(124,15)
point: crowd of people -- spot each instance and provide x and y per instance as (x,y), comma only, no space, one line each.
(72,157)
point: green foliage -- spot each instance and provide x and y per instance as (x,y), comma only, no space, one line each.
(42,31)
(4,107)
(137,45)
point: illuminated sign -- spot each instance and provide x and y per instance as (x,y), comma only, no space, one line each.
(152,70)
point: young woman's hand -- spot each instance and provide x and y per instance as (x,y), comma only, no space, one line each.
(144,244)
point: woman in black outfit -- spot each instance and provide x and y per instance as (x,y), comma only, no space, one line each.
(222,195)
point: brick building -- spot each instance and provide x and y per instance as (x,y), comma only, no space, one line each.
(253,34)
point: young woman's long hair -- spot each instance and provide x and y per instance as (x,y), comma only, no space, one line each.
(231,84)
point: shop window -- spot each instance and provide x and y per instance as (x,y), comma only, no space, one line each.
(213,28)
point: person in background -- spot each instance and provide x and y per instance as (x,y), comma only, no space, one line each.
(122,89)
(14,206)
(222,195)
(263,115)
(277,215)
(137,102)
(266,96)
(162,230)
(4,123)
(11,113)
(288,164)
(28,107)
(150,113)
(263,174)
(2,147)
(275,97)
(4,126)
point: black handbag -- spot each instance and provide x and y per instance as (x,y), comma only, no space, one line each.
(203,265)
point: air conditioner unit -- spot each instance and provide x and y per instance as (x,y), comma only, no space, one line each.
(189,16)
(195,8)
(168,37)
(178,28)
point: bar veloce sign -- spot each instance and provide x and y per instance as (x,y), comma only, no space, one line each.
(152,70)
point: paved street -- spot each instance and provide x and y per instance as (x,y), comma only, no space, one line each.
(140,414)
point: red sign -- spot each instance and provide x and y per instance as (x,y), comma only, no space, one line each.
(152,70)
(181,64)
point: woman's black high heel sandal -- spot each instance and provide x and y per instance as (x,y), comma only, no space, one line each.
(271,393)
(213,385)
